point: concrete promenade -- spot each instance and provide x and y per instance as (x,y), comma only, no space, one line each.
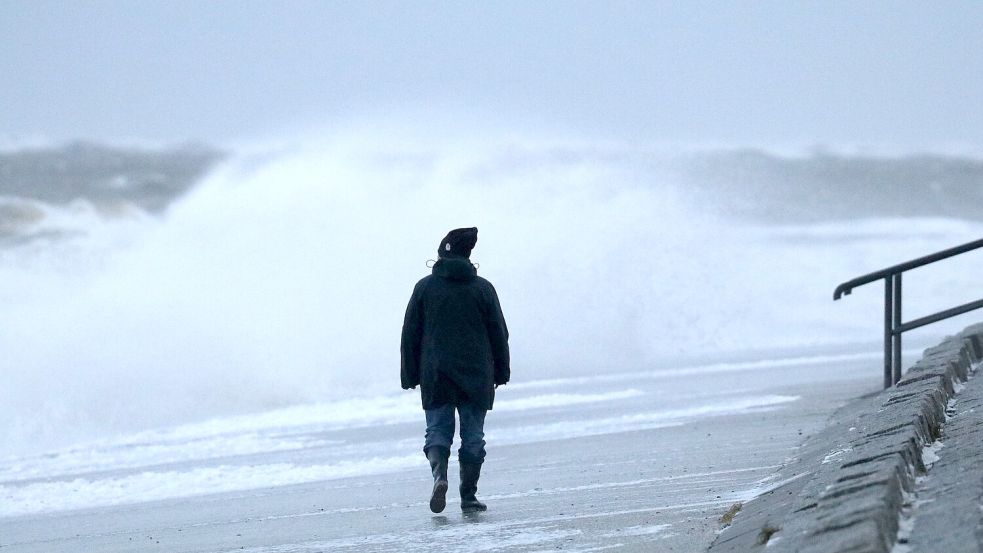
(899,471)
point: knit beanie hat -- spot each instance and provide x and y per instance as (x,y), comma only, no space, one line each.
(458,242)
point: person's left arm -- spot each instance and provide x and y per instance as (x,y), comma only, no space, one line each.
(498,336)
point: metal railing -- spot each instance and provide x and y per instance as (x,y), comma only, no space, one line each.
(893,327)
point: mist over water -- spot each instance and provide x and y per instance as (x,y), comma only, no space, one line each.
(281,279)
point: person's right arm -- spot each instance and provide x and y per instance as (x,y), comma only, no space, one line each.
(409,347)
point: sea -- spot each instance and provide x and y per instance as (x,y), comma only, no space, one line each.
(172,313)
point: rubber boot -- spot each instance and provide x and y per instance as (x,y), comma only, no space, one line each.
(438,466)
(469,486)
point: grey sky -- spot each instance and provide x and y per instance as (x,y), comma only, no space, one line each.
(906,74)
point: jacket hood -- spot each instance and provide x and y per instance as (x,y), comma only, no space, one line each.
(454,268)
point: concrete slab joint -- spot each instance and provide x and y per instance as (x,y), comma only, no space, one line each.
(861,478)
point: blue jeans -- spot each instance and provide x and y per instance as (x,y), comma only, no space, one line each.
(440,431)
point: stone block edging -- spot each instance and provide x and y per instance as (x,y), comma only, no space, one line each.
(846,490)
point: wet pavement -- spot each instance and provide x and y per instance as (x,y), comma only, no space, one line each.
(662,484)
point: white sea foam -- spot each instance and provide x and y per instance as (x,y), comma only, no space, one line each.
(700,370)
(638,421)
(562,400)
(286,429)
(700,477)
(765,485)
(65,495)
(128,454)
(488,536)
(640,530)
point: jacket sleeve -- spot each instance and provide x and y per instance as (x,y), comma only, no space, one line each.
(409,347)
(498,335)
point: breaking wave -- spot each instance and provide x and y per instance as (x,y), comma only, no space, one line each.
(281,279)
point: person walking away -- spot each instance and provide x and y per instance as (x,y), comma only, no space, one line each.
(455,347)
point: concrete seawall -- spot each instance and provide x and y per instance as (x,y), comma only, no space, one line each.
(894,471)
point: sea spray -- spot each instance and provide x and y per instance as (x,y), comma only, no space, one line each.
(282,280)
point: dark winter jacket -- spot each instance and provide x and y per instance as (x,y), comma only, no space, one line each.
(455,342)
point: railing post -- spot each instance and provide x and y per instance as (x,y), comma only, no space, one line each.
(888,331)
(897,329)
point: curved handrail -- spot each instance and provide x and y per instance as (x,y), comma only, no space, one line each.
(894,326)
(848,286)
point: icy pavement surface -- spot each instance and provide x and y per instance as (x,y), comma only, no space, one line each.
(635,462)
